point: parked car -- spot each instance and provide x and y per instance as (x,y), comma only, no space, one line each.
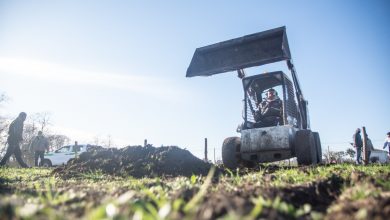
(65,153)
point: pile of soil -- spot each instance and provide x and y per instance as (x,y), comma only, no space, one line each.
(136,161)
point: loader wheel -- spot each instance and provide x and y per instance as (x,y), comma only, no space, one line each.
(305,148)
(231,152)
(317,141)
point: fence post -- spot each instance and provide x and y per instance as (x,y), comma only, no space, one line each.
(205,149)
(75,149)
(365,152)
(328,155)
(214,156)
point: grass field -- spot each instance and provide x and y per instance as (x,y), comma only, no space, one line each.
(342,191)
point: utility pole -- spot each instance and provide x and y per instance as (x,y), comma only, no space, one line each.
(205,149)
(328,155)
(365,152)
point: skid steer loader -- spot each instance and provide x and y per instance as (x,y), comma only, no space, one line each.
(263,139)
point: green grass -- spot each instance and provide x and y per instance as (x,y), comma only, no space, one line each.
(35,193)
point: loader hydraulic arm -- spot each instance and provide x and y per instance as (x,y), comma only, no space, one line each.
(302,103)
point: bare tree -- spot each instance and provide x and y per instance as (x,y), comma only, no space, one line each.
(3,98)
(109,142)
(36,122)
(4,123)
(350,152)
(57,140)
(41,121)
(96,140)
(334,156)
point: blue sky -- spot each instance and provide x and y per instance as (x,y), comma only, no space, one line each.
(118,67)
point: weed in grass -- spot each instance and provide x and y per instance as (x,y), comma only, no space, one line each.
(360,191)
(203,189)
(279,205)
(96,175)
(35,193)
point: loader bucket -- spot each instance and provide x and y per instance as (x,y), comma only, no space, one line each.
(247,51)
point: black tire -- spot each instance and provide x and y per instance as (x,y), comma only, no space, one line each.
(46,163)
(317,141)
(305,148)
(231,152)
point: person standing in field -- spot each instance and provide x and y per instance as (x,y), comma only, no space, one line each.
(39,145)
(387,144)
(358,144)
(15,136)
(370,147)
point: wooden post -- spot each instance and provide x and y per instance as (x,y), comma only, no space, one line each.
(365,152)
(205,149)
(75,149)
(328,155)
(214,156)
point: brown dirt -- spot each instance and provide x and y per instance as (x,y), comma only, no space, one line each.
(319,195)
(369,208)
(136,161)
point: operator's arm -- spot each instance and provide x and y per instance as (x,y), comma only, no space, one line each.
(273,108)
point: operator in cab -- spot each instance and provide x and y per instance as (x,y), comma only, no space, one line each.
(270,110)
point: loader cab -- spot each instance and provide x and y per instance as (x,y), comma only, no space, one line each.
(255,88)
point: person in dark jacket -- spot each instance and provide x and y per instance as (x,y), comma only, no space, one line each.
(358,144)
(15,136)
(270,110)
(38,145)
(387,143)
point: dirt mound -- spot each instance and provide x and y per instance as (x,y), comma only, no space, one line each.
(136,161)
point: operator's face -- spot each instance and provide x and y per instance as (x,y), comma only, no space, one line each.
(271,94)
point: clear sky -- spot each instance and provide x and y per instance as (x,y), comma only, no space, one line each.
(118,67)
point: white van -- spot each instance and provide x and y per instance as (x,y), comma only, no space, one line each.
(379,156)
(64,154)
